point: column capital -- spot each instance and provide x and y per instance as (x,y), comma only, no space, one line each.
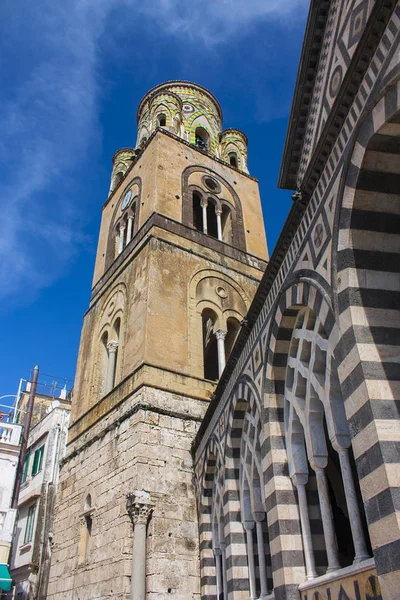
(258,516)
(112,346)
(122,226)
(204,203)
(139,506)
(248,525)
(218,211)
(220,334)
(131,217)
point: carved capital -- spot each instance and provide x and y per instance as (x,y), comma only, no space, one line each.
(139,507)
(220,334)
(218,211)
(112,346)
(204,203)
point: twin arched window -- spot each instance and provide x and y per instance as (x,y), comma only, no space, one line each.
(125,229)
(212,217)
(109,358)
(217,343)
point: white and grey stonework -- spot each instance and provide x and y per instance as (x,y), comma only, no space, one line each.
(286,484)
(314,379)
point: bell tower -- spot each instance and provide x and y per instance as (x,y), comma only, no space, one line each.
(180,253)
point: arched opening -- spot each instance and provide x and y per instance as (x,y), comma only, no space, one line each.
(233,327)
(226,223)
(86,520)
(118,178)
(252,510)
(161,120)
(233,160)
(321,463)
(103,362)
(197,212)
(202,139)
(115,365)
(212,227)
(210,349)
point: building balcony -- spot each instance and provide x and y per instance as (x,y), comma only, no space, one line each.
(10,433)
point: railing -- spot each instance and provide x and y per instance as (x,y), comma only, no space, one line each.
(10,433)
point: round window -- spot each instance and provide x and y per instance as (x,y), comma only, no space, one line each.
(211,184)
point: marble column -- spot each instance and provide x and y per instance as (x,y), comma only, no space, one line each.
(218,571)
(130,229)
(220,334)
(300,483)
(219,223)
(139,507)
(112,348)
(224,569)
(259,518)
(248,527)
(357,530)
(204,204)
(121,238)
(327,520)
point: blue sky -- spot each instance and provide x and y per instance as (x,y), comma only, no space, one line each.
(72,75)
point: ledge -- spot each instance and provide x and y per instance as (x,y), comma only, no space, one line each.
(336,575)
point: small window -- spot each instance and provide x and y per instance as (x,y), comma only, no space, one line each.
(38,460)
(26,467)
(233,161)
(201,138)
(211,184)
(162,120)
(29,524)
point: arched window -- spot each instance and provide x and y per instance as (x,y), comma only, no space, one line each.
(233,160)
(210,349)
(197,212)
(118,178)
(319,451)
(212,227)
(202,138)
(226,224)
(86,520)
(233,327)
(103,362)
(161,120)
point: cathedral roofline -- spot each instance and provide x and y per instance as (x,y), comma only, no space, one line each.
(182,82)
(303,92)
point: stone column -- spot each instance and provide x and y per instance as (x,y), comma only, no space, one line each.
(300,483)
(121,238)
(204,204)
(139,507)
(220,334)
(327,520)
(224,568)
(259,518)
(130,229)
(357,530)
(218,212)
(249,526)
(112,348)
(218,571)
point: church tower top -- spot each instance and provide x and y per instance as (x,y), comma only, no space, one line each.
(193,113)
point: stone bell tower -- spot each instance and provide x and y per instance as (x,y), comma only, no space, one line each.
(180,253)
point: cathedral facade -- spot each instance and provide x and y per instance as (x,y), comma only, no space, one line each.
(236,433)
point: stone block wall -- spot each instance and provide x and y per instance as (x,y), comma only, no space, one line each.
(142,445)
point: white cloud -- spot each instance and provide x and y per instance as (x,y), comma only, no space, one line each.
(50,107)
